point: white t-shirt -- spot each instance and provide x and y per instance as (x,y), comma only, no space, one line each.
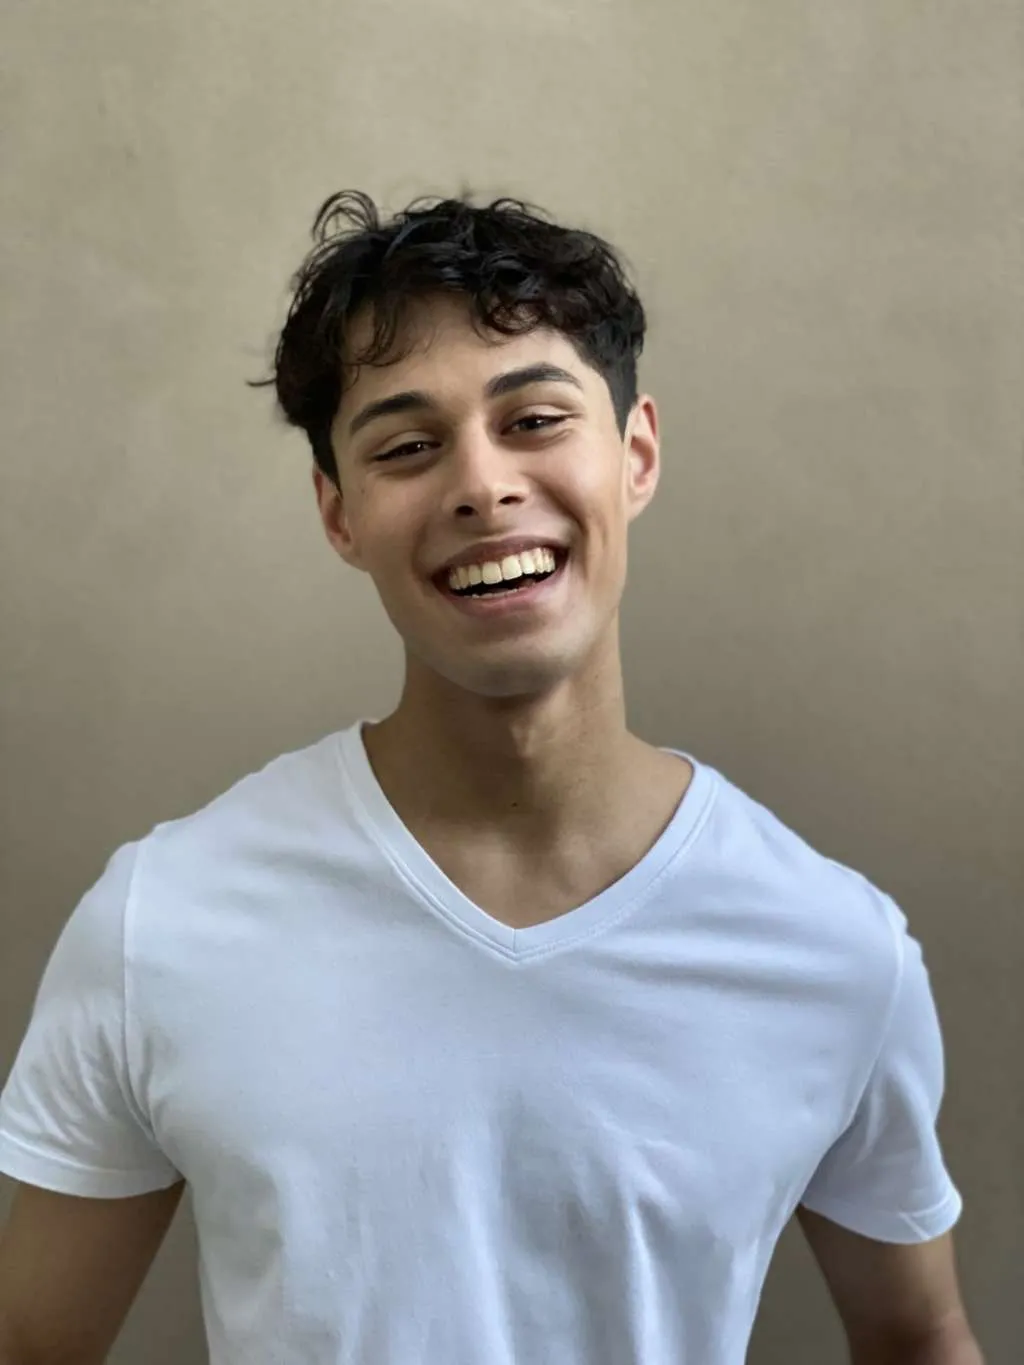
(415,1136)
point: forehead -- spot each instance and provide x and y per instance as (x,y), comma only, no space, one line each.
(439,350)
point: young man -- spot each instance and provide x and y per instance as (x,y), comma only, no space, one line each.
(486,1033)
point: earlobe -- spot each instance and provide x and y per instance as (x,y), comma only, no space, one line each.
(334,517)
(642,454)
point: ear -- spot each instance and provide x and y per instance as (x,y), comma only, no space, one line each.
(643,455)
(334,516)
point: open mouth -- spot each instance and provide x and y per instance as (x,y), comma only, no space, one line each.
(510,577)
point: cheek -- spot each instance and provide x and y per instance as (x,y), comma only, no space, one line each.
(599,500)
(390,539)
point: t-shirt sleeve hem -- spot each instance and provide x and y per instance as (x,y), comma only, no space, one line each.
(903,1228)
(48,1172)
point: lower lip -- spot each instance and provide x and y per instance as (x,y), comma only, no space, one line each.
(508,603)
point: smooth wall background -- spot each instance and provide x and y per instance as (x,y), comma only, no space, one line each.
(822,203)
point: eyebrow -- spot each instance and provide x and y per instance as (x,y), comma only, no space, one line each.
(417,400)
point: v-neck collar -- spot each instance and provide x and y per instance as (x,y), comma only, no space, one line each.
(443,897)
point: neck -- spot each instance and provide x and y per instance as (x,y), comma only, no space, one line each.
(462,758)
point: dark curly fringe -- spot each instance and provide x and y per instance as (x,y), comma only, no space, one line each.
(516,269)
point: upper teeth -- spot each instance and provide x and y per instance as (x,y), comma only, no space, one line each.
(540,560)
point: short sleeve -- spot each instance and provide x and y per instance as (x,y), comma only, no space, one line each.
(885,1177)
(68,1119)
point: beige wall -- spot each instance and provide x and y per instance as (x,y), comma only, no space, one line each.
(819,198)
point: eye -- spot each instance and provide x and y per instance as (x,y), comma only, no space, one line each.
(406,448)
(538,421)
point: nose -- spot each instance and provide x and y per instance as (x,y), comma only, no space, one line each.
(481,477)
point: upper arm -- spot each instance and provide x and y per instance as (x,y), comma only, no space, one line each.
(887,1292)
(879,1209)
(72,1111)
(885,1176)
(96,1192)
(70,1269)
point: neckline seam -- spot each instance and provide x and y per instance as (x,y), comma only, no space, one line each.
(503,941)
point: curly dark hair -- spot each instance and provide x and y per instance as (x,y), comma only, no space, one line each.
(516,269)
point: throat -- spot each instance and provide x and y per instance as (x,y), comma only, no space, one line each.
(524,859)
(520,890)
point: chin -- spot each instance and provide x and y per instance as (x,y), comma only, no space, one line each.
(505,670)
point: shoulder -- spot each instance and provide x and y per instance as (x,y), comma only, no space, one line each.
(272,814)
(810,897)
(281,805)
(287,787)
